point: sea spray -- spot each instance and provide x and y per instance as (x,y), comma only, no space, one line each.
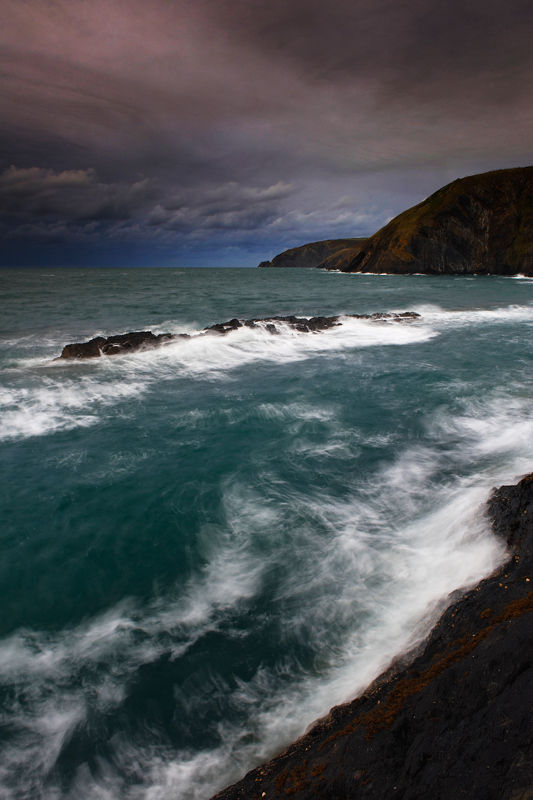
(204,548)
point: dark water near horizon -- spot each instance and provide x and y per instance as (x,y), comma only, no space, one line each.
(205,547)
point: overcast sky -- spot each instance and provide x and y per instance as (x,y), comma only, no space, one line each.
(220,132)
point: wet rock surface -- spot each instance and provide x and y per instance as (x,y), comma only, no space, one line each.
(134,341)
(305,325)
(455,722)
(114,345)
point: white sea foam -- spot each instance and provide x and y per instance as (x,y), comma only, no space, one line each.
(359,579)
(298,411)
(439,317)
(213,355)
(61,400)
(84,670)
(373,572)
(497,432)
(54,405)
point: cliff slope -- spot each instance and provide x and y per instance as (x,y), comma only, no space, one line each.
(330,253)
(455,723)
(482,224)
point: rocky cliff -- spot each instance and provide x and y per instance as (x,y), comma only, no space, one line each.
(482,224)
(331,253)
(454,723)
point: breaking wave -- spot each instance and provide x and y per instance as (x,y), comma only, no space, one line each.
(299,507)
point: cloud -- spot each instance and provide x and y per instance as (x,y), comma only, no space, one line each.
(75,205)
(69,194)
(229,206)
(221,86)
(224,118)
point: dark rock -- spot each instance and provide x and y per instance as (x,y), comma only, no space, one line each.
(322,323)
(90,349)
(302,324)
(117,344)
(112,349)
(455,722)
(142,340)
(225,327)
(404,316)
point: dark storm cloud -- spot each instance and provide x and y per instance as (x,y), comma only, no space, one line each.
(70,194)
(74,205)
(228,206)
(388,43)
(224,120)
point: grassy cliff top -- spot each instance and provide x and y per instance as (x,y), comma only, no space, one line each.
(492,189)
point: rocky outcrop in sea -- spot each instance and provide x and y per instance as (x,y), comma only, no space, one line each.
(125,343)
(455,722)
(121,343)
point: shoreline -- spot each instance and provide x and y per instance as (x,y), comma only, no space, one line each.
(454,721)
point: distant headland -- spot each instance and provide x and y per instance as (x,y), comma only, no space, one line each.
(478,225)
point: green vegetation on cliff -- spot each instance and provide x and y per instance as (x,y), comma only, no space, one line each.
(330,253)
(482,224)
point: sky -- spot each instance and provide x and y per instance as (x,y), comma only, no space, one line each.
(221,132)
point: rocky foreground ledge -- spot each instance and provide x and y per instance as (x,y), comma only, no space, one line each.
(456,722)
(132,342)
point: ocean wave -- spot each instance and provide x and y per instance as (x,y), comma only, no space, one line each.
(55,684)
(59,400)
(353,577)
(436,315)
(499,426)
(59,405)
(356,580)
(213,355)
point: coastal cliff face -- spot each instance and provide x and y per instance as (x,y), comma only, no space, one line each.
(454,723)
(331,253)
(482,224)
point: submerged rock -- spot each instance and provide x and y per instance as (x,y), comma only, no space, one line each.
(134,341)
(455,722)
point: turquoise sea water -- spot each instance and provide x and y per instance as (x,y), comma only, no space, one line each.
(205,547)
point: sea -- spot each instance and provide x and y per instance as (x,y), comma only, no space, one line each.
(205,547)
